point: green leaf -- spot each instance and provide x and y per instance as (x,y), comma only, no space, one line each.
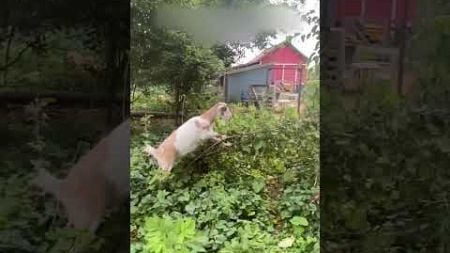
(299,221)
(189,208)
(258,185)
(287,242)
(260,144)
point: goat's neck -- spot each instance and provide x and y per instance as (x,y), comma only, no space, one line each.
(210,114)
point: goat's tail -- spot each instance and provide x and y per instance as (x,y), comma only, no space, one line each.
(47,182)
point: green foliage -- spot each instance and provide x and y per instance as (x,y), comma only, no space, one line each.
(166,235)
(53,70)
(158,98)
(249,239)
(261,138)
(25,217)
(36,44)
(30,221)
(390,153)
(153,98)
(311,96)
(431,62)
(172,58)
(243,196)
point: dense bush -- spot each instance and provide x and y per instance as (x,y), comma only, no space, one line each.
(153,98)
(386,171)
(53,69)
(253,196)
(159,99)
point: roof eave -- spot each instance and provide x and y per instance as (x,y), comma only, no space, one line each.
(251,67)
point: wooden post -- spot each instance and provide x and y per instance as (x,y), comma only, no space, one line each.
(300,87)
(363,11)
(401,57)
(225,87)
(183,101)
(269,79)
(295,77)
(393,10)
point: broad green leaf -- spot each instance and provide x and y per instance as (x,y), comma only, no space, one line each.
(299,221)
(287,242)
(258,185)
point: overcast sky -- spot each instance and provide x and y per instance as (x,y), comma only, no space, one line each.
(306,47)
(220,25)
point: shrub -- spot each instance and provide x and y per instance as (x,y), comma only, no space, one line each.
(245,197)
(385,155)
(167,235)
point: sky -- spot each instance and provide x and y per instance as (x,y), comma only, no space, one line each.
(306,47)
(209,26)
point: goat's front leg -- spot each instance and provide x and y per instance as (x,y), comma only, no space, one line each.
(214,136)
(210,134)
(218,137)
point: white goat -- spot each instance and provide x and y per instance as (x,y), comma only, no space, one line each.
(188,137)
(99,180)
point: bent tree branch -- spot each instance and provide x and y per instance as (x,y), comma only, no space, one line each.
(7,52)
(16,59)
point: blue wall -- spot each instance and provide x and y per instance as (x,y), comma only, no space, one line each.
(243,80)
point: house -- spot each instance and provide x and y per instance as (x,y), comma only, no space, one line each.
(375,21)
(280,64)
(365,40)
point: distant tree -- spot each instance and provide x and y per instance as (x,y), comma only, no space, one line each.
(106,26)
(431,62)
(173,58)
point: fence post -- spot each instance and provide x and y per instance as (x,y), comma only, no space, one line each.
(300,88)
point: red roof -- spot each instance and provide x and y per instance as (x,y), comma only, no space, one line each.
(267,51)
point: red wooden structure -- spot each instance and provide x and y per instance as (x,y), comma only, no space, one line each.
(379,12)
(288,64)
(370,37)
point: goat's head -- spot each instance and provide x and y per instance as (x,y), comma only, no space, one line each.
(223,111)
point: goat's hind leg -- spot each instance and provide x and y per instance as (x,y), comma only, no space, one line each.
(166,166)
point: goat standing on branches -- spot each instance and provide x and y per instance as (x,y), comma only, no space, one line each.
(189,136)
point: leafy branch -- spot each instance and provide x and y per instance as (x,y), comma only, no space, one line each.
(16,59)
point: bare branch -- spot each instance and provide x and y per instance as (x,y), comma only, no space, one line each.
(16,59)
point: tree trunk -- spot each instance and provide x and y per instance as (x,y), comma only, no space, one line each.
(126,87)
(113,69)
(111,90)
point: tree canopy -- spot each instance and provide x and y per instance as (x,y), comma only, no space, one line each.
(174,58)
